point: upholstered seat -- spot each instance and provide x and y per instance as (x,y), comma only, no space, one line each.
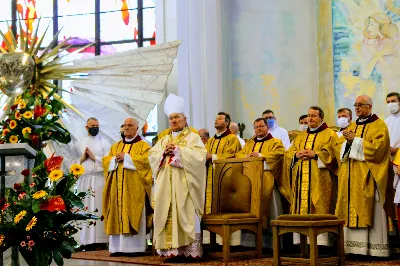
(236,203)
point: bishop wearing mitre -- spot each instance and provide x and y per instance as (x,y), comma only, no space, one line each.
(178,159)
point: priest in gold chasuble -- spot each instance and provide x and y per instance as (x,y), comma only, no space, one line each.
(310,166)
(178,160)
(223,145)
(272,149)
(365,192)
(128,181)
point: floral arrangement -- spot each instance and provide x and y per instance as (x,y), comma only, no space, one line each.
(42,214)
(32,119)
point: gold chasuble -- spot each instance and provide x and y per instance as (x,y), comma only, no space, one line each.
(272,150)
(365,176)
(221,147)
(168,132)
(125,190)
(311,180)
(178,194)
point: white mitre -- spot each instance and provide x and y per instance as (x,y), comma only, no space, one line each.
(174,104)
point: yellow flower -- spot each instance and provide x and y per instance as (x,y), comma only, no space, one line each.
(55,175)
(2,239)
(13,124)
(19,216)
(31,224)
(22,104)
(77,169)
(18,115)
(28,114)
(40,194)
(27,130)
(13,139)
(6,131)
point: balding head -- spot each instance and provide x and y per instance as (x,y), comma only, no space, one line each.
(204,135)
(363,106)
(234,128)
(131,126)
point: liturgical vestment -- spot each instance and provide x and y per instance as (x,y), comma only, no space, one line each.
(127,188)
(179,194)
(168,131)
(93,178)
(311,180)
(221,146)
(272,150)
(365,188)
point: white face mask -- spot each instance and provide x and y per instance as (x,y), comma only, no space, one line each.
(343,122)
(303,127)
(393,107)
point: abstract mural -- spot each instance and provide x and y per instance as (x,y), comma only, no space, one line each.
(366,50)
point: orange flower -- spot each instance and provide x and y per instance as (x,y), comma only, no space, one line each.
(18,115)
(13,124)
(53,204)
(6,131)
(53,163)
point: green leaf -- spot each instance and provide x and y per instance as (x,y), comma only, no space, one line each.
(67,246)
(76,201)
(36,206)
(81,194)
(57,258)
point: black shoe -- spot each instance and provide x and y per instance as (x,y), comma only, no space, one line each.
(117,254)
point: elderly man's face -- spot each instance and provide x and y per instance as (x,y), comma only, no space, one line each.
(177,122)
(130,128)
(203,135)
(362,107)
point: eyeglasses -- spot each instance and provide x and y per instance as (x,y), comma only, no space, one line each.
(360,104)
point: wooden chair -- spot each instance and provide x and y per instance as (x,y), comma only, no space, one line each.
(236,204)
(308,225)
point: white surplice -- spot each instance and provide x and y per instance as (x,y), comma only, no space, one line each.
(126,243)
(393,124)
(280,133)
(93,178)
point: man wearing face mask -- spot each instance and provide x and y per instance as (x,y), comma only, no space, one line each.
(393,124)
(393,121)
(89,152)
(303,121)
(275,130)
(344,120)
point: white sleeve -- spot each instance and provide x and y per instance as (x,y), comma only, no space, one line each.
(266,166)
(214,157)
(128,163)
(285,139)
(112,165)
(357,149)
(321,165)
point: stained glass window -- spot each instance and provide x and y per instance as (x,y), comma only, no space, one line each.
(111,25)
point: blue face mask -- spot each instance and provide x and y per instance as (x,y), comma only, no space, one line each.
(271,122)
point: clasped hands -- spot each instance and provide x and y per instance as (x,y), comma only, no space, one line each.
(253,154)
(119,157)
(349,135)
(87,154)
(169,149)
(305,154)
